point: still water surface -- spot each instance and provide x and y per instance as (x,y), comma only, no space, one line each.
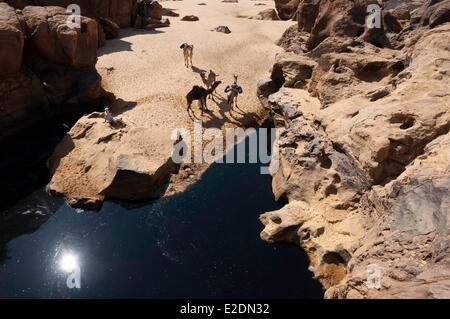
(203,243)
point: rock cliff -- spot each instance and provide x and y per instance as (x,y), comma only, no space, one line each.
(364,119)
(44,63)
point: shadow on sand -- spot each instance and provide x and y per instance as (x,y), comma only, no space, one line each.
(120,44)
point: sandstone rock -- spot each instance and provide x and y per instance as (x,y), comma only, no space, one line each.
(377,94)
(58,66)
(12,40)
(149,9)
(293,40)
(190,18)
(119,11)
(338,18)
(286,8)
(308,11)
(110,29)
(353,71)
(169,13)
(223,29)
(95,162)
(432,13)
(268,14)
(413,254)
(292,70)
(366,179)
(50,37)
(266,87)
(151,23)
(101,36)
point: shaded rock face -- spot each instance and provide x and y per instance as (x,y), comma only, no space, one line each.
(363,149)
(12,40)
(135,163)
(111,14)
(286,8)
(118,11)
(46,64)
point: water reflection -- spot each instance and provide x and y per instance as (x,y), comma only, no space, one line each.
(203,243)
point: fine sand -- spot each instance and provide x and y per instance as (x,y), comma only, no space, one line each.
(146,68)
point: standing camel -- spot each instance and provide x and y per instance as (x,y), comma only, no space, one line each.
(188,52)
(209,80)
(200,93)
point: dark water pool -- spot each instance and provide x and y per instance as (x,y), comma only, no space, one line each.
(203,243)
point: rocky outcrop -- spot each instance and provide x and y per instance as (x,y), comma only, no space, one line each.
(111,14)
(95,162)
(119,11)
(47,63)
(363,149)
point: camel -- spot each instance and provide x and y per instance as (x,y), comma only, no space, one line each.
(188,52)
(209,80)
(200,93)
(233,91)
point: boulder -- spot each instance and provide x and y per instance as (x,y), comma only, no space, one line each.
(437,14)
(150,23)
(149,9)
(95,162)
(292,70)
(119,11)
(169,13)
(51,38)
(57,67)
(222,29)
(268,14)
(110,29)
(293,40)
(12,41)
(190,18)
(286,8)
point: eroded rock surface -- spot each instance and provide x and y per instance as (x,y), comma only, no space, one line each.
(43,64)
(364,121)
(96,162)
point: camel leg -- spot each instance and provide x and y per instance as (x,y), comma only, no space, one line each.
(204,102)
(189,106)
